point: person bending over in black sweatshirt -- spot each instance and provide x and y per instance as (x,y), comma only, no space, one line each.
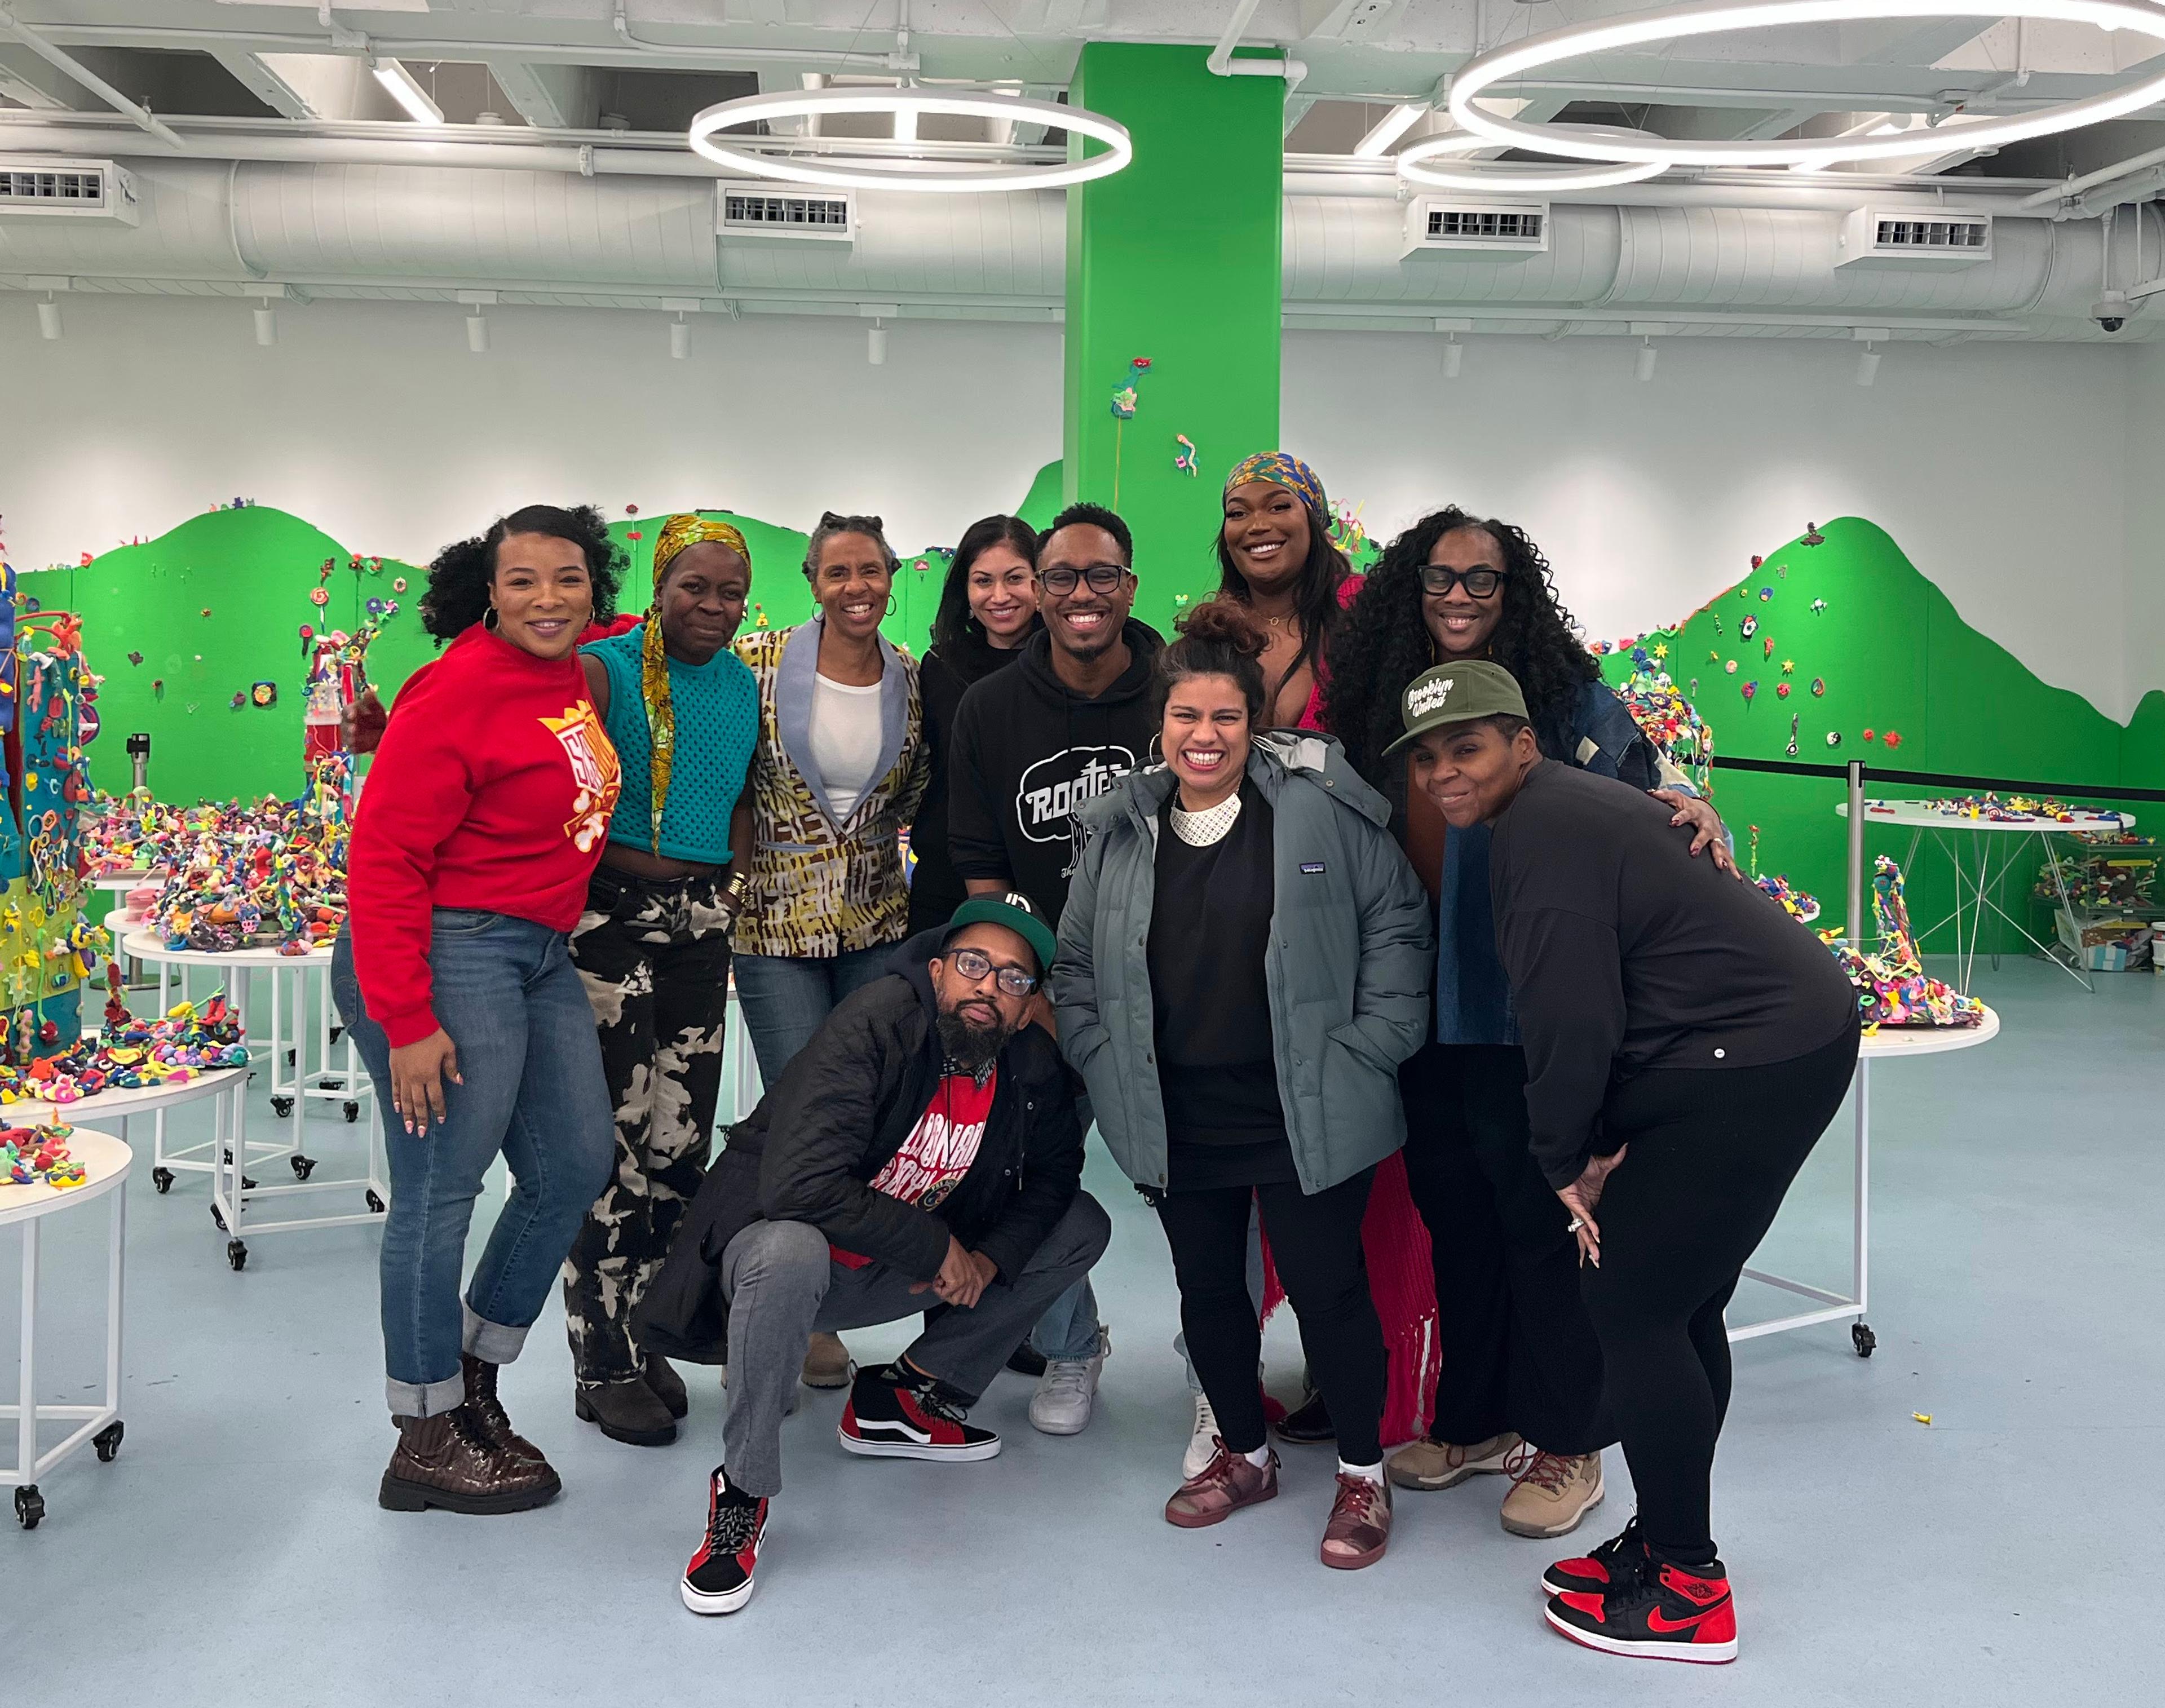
(1031,744)
(1687,1042)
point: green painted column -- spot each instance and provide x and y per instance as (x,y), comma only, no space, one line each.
(1175,259)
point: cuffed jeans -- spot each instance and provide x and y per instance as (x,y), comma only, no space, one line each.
(787,998)
(507,993)
(782,1284)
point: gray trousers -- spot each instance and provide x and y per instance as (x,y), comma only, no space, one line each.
(782,1283)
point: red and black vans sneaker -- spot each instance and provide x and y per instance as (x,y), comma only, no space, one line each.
(718,1579)
(1594,1573)
(1662,1612)
(896,1414)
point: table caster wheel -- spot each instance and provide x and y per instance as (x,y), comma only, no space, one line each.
(29,1505)
(281,1107)
(225,1157)
(375,1203)
(162,1179)
(289,1059)
(108,1441)
(1863,1339)
(218,1216)
(303,1166)
(236,1253)
(337,1033)
(352,1109)
(247,1185)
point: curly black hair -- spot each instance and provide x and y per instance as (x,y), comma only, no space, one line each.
(460,575)
(1384,643)
(952,621)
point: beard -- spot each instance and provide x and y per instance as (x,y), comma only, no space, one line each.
(969,1045)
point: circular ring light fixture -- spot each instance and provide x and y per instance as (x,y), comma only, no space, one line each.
(1509,175)
(1666,25)
(875,172)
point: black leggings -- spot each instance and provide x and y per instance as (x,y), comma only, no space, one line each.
(1712,1154)
(1315,1243)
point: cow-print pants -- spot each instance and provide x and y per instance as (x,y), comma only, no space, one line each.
(653,956)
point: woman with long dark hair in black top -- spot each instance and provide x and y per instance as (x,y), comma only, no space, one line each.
(987,609)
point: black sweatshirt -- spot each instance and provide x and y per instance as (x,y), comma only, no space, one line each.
(944,676)
(1625,953)
(1028,751)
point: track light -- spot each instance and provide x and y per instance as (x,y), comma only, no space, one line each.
(1648,356)
(49,318)
(1454,358)
(876,344)
(266,326)
(477,333)
(401,86)
(1867,365)
(680,338)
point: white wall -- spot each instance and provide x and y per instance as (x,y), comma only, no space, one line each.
(2145,649)
(2003,471)
(372,420)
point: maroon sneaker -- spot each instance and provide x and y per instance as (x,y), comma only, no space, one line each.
(1360,1526)
(1222,1487)
(1658,1610)
(893,1414)
(718,1579)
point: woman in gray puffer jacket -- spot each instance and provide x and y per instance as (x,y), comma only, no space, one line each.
(1244,962)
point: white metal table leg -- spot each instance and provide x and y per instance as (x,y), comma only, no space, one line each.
(26,1418)
(115,1277)
(1861,1261)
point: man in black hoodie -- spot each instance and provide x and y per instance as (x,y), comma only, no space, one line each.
(1031,744)
(921,1150)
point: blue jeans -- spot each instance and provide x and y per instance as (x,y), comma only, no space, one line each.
(508,994)
(787,998)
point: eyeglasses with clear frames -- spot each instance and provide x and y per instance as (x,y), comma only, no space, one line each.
(1061,581)
(974,964)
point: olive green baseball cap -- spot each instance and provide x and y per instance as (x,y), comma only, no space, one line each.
(1457,693)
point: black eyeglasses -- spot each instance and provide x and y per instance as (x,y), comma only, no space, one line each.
(974,964)
(1479,584)
(1103,578)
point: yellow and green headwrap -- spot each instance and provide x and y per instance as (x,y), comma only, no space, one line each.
(1282,469)
(677,533)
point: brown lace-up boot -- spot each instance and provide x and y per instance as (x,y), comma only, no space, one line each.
(487,1412)
(446,1461)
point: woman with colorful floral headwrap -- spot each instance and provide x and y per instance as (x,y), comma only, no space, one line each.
(653,947)
(1277,556)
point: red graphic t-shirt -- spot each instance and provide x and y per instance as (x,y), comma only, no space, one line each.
(939,1150)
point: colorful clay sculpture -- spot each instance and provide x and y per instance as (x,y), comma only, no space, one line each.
(1668,719)
(129,1052)
(1892,989)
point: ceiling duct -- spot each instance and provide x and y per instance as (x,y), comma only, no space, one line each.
(60,188)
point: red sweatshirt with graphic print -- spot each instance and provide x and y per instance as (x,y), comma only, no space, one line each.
(493,790)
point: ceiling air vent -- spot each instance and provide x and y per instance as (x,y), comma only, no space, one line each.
(784,214)
(1452,225)
(66,189)
(1927,240)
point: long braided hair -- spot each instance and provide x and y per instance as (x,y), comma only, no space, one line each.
(1384,643)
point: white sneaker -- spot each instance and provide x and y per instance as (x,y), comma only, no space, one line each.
(1067,1391)
(1202,1444)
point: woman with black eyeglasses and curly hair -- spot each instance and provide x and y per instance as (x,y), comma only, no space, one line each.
(1521,1377)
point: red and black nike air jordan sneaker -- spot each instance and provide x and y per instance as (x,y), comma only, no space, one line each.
(894,1414)
(1662,1612)
(718,1579)
(1594,1573)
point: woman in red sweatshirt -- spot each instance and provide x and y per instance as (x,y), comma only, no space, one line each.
(484,816)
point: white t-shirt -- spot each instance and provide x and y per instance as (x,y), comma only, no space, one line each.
(845,741)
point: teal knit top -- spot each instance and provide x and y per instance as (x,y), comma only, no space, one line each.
(717,705)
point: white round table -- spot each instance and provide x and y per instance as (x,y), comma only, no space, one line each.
(232,1197)
(1992,856)
(106,1161)
(1887,1044)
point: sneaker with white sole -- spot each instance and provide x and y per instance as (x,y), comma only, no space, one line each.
(718,1579)
(895,1413)
(1067,1392)
(1551,1492)
(1429,1465)
(1202,1444)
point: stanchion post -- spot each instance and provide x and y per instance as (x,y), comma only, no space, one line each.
(1856,856)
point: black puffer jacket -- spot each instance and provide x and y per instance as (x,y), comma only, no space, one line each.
(840,1111)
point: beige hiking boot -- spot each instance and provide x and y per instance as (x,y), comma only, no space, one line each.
(1551,1492)
(827,1362)
(1430,1466)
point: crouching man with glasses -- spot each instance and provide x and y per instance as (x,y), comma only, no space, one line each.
(922,1150)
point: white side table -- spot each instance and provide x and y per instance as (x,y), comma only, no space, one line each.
(106,1161)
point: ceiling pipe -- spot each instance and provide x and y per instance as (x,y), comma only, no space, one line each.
(901,60)
(2070,200)
(89,79)
(1222,63)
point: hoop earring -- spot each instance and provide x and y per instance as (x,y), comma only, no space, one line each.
(489,619)
(890,604)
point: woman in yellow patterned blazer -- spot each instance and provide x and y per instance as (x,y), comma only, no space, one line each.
(838,768)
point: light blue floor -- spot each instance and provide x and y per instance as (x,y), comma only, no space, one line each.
(233,1554)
